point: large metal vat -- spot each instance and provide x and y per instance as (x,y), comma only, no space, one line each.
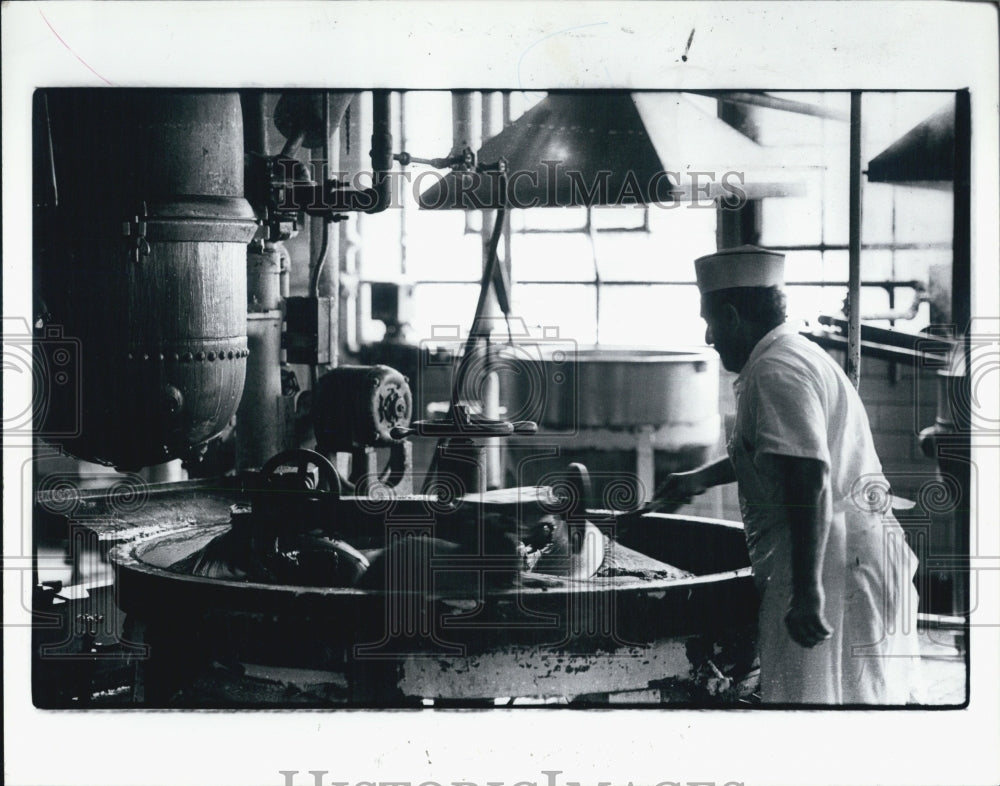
(631,415)
(568,389)
(148,269)
(447,637)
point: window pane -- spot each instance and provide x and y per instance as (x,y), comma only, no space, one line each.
(835,266)
(836,184)
(622,217)
(381,254)
(874,300)
(923,215)
(789,221)
(553,218)
(428,132)
(803,266)
(439,308)
(877,212)
(916,264)
(555,257)
(876,265)
(437,247)
(569,308)
(635,257)
(682,234)
(625,314)
(809,302)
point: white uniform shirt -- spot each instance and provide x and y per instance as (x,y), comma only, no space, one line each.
(793,400)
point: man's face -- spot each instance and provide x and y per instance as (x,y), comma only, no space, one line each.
(722,334)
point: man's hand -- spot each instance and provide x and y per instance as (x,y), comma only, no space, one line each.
(805,621)
(679,489)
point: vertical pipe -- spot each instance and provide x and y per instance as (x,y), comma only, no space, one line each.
(330,278)
(381,150)
(404,240)
(492,119)
(466,132)
(353,230)
(259,428)
(853,359)
(737,226)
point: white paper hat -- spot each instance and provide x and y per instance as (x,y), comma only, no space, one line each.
(746,266)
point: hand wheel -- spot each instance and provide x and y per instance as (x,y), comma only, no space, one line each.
(302,459)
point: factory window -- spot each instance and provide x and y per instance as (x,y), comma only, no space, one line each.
(589,271)
(906,231)
(585,271)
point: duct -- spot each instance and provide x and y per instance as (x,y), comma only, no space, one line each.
(923,157)
(300,117)
(613,148)
(766,101)
(692,141)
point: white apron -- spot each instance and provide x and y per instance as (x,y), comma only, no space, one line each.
(870,601)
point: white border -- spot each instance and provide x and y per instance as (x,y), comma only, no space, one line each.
(536,45)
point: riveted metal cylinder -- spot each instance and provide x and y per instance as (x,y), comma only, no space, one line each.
(150,271)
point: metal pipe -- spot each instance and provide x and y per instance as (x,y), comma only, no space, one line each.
(772,102)
(317,267)
(492,120)
(365,200)
(466,132)
(259,430)
(253,104)
(853,359)
(381,149)
(292,143)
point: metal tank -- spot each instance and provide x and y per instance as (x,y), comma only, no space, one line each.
(625,412)
(148,267)
(568,389)
(427,630)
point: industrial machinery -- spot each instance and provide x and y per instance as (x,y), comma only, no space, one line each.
(305,572)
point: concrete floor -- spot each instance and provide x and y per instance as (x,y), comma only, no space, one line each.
(942,665)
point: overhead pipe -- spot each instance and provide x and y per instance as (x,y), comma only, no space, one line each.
(773,102)
(298,119)
(377,198)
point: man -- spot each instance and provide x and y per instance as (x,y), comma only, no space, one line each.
(838,608)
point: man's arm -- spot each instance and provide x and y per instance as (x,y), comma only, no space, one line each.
(806,488)
(680,487)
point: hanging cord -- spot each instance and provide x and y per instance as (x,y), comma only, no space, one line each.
(592,237)
(492,260)
(489,271)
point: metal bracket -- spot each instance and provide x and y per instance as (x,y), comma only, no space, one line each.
(134,231)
